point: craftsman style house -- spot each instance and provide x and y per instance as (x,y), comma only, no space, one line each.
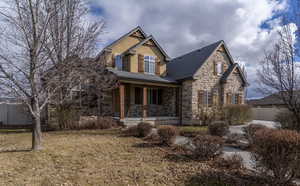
(156,88)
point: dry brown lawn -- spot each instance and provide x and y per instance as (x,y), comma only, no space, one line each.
(89,157)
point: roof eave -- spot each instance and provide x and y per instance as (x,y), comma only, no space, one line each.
(146,80)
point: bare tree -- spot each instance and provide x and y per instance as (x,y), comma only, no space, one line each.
(39,36)
(24,26)
(71,35)
(89,76)
(279,72)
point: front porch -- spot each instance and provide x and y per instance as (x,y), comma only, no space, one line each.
(134,102)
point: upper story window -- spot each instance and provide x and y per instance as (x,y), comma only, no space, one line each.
(119,63)
(219,68)
(149,64)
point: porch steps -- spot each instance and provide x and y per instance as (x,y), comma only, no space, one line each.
(151,120)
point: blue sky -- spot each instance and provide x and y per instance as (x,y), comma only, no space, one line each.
(249,27)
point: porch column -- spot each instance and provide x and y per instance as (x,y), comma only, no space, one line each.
(145,102)
(122,101)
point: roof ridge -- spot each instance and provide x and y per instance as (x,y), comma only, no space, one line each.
(199,49)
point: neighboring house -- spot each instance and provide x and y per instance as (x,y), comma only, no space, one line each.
(155,87)
(267,108)
(268,101)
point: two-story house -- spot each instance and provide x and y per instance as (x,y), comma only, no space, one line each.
(155,88)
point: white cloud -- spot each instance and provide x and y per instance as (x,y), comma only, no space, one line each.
(183,25)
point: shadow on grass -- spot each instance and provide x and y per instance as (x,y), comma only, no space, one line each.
(147,145)
(14,131)
(15,150)
(95,132)
(177,157)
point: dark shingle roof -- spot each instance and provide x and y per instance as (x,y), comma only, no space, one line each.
(142,77)
(186,66)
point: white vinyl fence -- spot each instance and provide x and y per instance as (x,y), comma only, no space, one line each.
(14,114)
(266,113)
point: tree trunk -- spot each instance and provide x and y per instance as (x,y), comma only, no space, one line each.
(37,134)
(36,129)
(297,124)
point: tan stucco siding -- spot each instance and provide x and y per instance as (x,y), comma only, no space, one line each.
(147,51)
(125,44)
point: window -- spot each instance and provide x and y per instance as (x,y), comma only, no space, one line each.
(149,64)
(219,68)
(119,63)
(138,95)
(233,98)
(205,97)
(228,98)
(238,99)
(154,96)
(215,95)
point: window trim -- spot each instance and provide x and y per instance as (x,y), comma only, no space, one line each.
(219,68)
(116,62)
(148,64)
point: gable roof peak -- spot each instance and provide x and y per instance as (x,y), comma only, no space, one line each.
(185,66)
(131,50)
(136,29)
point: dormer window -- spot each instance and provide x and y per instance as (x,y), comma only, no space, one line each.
(149,62)
(119,63)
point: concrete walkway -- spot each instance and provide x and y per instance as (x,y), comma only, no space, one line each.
(228,151)
(238,129)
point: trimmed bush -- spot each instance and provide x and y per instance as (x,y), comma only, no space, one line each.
(287,120)
(106,123)
(131,131)
(250,130)
(207,115)
(193,131)
(207,146)
(218,128)
(229,162)
(277,152)
(237,114)
(94,122)
(167,134)
(144,129)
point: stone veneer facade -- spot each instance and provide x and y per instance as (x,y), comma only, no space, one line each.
(205,79)
(167,108)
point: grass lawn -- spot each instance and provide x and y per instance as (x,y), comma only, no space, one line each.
(89,157)
(191,131)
